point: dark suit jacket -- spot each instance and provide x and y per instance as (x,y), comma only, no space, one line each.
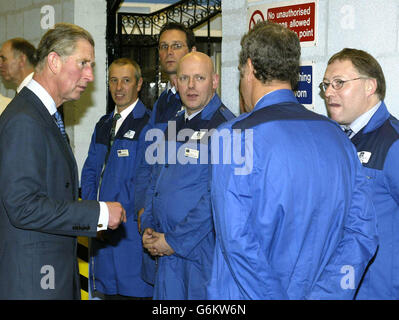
(40,215)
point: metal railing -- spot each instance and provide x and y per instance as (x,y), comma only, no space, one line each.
(191,13)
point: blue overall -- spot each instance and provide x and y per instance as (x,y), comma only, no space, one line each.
(378,148)
(178,205)
(165,109)
(294,220)
(115,265)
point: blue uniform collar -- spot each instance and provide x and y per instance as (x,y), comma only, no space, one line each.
(275,97)
(211,107)
(208,111)
(138,111)
(379,117)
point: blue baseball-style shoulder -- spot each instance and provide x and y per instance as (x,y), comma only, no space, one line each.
(221,115)
(280,111)
(105,117)
(226,113)
(377,137)
(379,142)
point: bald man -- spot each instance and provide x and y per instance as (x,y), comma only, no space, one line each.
(177,220)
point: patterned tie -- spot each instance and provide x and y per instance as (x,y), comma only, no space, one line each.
(117,116)
(348,132)
(60,124)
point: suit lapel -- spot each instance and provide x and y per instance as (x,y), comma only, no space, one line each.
(56,133)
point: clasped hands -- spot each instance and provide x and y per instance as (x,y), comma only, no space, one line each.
(156,244)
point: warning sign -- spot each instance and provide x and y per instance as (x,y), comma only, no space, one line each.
(304,91)
(255,18)
(299,16)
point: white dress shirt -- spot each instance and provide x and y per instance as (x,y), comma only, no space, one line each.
(170,87)
(25,82)
(361,121)
(49,103)
(123,114)
(189,117)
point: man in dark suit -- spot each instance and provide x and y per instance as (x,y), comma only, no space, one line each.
(40,215)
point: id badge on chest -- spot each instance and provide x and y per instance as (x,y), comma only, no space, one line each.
(123,153)
(192,153)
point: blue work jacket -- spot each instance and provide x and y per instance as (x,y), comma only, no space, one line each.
(178,205)
(165,109)
(378,149)
(294,220)
(115,265)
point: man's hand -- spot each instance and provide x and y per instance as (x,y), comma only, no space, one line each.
(148,238)
(139,213)
(156,244)
(160,246)
(117,215)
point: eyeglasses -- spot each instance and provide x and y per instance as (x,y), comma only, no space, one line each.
(174,46)
(336,84)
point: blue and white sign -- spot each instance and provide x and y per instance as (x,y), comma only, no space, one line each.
(304,91)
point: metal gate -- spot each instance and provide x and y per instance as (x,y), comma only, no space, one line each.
(136,36)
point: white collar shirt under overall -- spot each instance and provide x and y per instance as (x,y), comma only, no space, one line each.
(361,121)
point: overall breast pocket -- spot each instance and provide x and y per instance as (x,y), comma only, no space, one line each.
(371,174)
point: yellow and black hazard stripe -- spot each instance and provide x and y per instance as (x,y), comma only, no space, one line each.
(83,260)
